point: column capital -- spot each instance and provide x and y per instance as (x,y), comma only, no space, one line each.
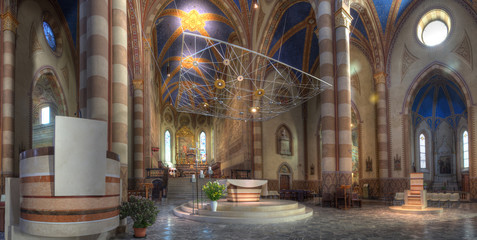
(342,18)
(380,77)
(138,84)
(9,22)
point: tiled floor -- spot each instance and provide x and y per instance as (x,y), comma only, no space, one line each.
(373,221)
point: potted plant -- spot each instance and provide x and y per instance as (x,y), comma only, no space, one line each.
(214,191)
(142,211)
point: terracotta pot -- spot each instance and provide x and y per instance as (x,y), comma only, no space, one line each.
(139,232)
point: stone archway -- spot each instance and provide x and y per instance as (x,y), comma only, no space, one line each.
(436,106)
(285,177)
(46,93)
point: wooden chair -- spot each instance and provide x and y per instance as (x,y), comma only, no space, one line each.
(355,200)
(340,200)
(327,199)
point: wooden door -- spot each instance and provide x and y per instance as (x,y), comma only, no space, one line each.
(284,182)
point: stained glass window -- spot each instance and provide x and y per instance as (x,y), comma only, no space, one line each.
(167,143)
(203,153)
(465,147)
(422,150)
(49,35)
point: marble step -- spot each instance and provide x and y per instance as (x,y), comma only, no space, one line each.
(243,220)
(263,206)
(246,214)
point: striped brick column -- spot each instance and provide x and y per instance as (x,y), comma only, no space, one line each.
(97,59)
(328,154)
(83,17)
(257,150)
(138,119)
(380,85)
(120,89)
(342,23)
(9,25)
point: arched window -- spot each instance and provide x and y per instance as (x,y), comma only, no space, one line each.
(49,35)
(465,147)
(422,150)
(167,147)
(45,115)
(203,152)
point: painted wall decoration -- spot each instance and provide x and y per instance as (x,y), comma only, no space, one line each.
(284,142)
(444,165)
(369,164)
(397,162)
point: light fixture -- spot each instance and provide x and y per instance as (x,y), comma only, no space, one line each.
(219,84)
(238,83)
(259,92)
(255,5)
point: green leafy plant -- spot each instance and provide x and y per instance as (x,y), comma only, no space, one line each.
(214,190)
(141,210)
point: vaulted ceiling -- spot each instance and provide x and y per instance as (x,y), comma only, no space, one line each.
(292,41)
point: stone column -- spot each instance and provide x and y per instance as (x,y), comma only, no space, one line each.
(380,84)
(120,89)
(342,23)
(138,119)
(327,97)
(472,127)
(9,25)
(257,150)
(83,19)
(97,59)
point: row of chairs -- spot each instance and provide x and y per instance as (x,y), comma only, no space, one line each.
(436,199)
(443,198)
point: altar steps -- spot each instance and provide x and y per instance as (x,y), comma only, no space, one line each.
(265,211)
(182,188)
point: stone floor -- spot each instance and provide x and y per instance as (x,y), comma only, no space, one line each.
(373,221)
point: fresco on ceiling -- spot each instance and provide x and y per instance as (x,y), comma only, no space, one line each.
(295,41)
(439,100)
(200,17)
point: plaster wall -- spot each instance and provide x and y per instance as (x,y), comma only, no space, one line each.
(271,159)
(362,97)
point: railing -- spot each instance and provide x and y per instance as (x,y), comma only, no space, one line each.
(155,172)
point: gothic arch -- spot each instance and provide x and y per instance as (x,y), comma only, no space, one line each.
(46,90)
(285,172)
(410,130)
(432,69)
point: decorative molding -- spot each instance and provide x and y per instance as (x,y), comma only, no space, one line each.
(9,22)
(35,42)
(138,84)
(355,82)
(342,18)
(380,78)
(65,72)
(464,50)
(407,60)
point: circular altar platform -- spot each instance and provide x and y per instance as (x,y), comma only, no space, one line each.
(429,210)
(262,212)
